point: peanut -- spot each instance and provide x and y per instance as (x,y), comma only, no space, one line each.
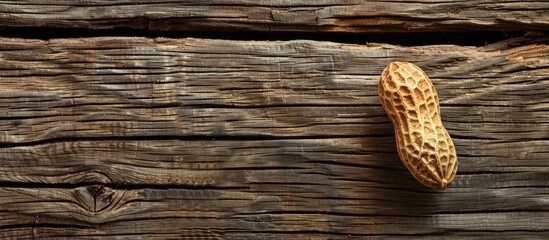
(424,146)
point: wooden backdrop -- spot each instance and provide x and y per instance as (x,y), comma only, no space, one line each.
(158,138)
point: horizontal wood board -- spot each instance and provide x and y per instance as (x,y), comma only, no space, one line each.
(280,15)
(216,139)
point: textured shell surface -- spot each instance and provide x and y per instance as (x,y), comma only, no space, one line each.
(423,143)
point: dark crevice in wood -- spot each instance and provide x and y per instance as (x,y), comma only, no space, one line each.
(116,186)
(349,214)
(443,232)
(343,214)
(491,211)
(236,138)
(479,38)
(310,232)
(44,225)
(466,173)
(344,234)
(470,137)
(348,164)
(531,186)
(263,106)
(266,168)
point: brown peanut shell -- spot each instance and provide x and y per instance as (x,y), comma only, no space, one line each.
(423,144)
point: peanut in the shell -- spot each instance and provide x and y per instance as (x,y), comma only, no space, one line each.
(423,143)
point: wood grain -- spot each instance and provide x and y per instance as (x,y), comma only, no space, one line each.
(181,138)
(280,15)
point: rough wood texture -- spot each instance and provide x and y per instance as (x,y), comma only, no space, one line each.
(217,139)
(280,15)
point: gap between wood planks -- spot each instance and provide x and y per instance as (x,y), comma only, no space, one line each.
(479,38)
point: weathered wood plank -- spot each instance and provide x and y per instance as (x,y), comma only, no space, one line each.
(280,15)
(135,87)
(282,209)
(173,138)
(331,176)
